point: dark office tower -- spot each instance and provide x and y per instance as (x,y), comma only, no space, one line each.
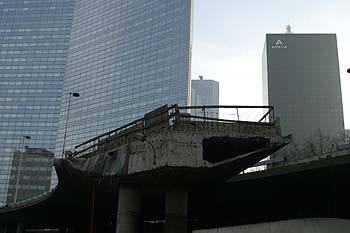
(206,92)
(125,58)
(301,80)
(33,48)
(34,177)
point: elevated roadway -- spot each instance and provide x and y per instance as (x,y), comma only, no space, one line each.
(147,172)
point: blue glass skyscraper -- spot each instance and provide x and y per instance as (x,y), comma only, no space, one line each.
(125,58)
(34,38)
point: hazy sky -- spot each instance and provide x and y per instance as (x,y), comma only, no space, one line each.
(228,39)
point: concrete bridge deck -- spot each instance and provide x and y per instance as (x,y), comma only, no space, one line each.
(161,157)
(169,145)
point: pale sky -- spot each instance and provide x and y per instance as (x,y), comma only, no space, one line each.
(228,39)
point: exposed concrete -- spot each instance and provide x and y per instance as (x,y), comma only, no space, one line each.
(182,145)
(176,211)
(129,201)
(173,146)
(310,225)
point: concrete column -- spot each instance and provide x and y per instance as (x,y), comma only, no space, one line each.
(3,229)
(129,201)
(176,211)
(20,228)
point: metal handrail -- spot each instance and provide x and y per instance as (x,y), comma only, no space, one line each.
(174,115)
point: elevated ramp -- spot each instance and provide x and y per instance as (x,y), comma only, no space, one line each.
(170,145)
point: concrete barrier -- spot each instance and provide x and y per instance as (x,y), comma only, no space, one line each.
(310,225)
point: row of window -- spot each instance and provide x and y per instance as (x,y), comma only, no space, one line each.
(37,106)
(48,60)
(49,29)
(39,51)
(28,187)
(36,37)
(38,77)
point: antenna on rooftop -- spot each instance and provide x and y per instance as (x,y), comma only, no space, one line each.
(288,29)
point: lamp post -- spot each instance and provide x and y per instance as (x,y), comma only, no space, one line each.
(74,94)
(20,167)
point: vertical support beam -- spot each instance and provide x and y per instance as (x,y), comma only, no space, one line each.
(20,228)
(129,202)
(3,229)
(176,211)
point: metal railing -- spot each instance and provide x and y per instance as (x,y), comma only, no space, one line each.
(167,116)
(231,113)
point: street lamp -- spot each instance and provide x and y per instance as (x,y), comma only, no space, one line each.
(20,167)
(74,94)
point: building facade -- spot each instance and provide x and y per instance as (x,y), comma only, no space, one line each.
(205,92)
(34,38)
(34,178)
(301,80)
(125,58)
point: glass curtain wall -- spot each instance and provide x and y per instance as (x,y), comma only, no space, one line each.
(34,36)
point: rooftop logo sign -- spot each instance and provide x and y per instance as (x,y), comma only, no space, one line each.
(279,45)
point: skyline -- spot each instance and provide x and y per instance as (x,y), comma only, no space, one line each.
(227,47)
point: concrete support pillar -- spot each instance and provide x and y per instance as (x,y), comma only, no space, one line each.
(176,211)
(20,228)
(3,229)
(129,202)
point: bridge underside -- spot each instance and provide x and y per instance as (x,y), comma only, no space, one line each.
(317,189)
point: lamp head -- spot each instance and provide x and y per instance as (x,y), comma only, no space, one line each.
(75,94)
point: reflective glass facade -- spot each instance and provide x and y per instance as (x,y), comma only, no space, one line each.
(35,176)
(125,58)
(34,36)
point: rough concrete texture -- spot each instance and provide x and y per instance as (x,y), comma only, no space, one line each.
(181,145)
(129,206)
(310,225)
